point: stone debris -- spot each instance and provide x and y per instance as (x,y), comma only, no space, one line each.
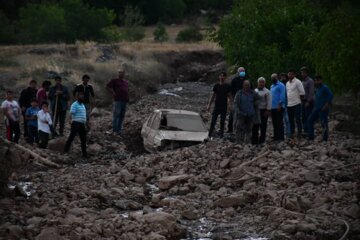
(213,190)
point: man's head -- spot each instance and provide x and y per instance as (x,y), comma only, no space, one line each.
(85,79)
(222,77)
(46,85)
(261,82)
(32,83)
(291,74)
(274,77)
(121,73)
(283,77)
(318,81)
(80,97)
(304,72)
(9,95)
(34,102)
(241,72)
(57,80)
(45,106)
(246,85)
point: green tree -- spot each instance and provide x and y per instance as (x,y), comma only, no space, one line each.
(269,35)
(39,23)
(7,34)
(336,49)
(160,34)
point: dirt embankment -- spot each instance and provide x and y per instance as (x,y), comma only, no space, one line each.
(214,190)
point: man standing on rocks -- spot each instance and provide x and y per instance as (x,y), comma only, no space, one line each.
(26,96)
(59,97)
(264,108)
(245,104)
(119,89)
(12,111)
(308,100)
(89,94)
(323,99)
(236,85)
(295,91)
(78,124)
(221,95)
(277,107)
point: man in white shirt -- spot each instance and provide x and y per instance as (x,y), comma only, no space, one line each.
(12,111)
(264,110)
(295,91)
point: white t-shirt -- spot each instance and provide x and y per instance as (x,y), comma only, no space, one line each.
(12,109)
(42,118)
(294,89)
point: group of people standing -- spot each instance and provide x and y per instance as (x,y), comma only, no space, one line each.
(288,102)
(45,108)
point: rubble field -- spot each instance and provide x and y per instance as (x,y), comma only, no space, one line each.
(214,190)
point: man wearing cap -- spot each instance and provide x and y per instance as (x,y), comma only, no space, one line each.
(295,91)
(59,96)
(308,100)
(235,86)
(119,89)
(26,96)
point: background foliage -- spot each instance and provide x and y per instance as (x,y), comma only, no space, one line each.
(268,36)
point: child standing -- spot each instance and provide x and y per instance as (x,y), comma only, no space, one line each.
(12,111)
(32,125)
(44,122)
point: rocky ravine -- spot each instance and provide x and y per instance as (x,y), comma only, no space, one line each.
(215,190)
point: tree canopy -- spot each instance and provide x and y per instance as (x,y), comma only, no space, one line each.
(269,36)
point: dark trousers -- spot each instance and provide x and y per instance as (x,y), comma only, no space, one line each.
(294,112)
(316,114)
(60,118)
(13,131)
(26,132)
(32,134)
(215,114)
(278,124)
(255,139)
(306,112)
(43,139)
(231,121)
(77,128)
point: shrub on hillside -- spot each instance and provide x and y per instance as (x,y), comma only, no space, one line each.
(160,34)
(7,34)
(112,34)
(190,34)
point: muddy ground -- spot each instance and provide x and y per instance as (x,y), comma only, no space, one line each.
(214,190)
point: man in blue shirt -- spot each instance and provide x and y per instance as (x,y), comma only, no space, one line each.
(277,107)
(78,124)
(323,99)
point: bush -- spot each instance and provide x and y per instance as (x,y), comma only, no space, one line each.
(7,33)
(133,34)
(112,34)
(190,34)
(160,34)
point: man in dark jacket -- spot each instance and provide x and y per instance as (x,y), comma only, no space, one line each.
(59,96)
(236,85)
(26,96)
(89,94)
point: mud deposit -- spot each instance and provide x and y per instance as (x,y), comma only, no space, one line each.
(214,190)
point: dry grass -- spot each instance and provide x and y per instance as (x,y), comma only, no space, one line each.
(18,64)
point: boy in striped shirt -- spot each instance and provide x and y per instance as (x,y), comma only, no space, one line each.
(78,124)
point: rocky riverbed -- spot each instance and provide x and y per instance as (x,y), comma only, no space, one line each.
(214,190)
